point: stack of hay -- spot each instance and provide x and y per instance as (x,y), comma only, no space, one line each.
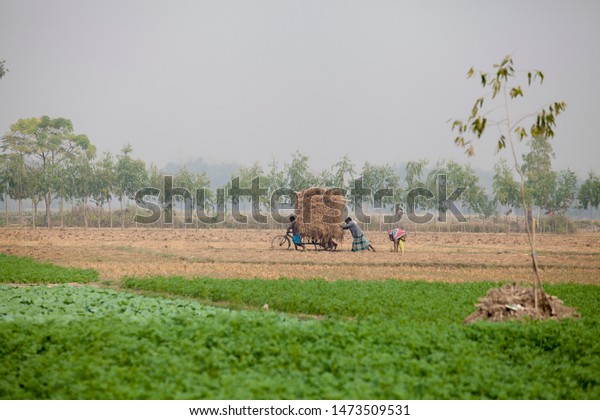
(319,213)
(517,302)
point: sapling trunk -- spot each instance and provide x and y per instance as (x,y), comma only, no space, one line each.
(537,282)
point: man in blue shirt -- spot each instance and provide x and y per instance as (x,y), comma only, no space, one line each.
(294,230)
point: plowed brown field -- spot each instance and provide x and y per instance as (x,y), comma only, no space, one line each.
(223,253)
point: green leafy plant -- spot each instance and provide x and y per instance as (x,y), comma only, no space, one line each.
(87,343)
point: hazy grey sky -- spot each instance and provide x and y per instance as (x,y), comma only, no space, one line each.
(254,80)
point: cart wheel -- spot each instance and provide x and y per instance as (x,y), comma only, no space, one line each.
(281,241)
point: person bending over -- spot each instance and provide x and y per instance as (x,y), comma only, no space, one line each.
(398,237)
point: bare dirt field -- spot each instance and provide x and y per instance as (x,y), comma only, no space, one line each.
(245,254)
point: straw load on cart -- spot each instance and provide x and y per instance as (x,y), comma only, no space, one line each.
(319,212)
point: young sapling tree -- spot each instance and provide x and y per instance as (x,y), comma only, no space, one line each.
(503,85)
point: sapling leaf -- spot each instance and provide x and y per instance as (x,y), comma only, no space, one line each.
(514,92)
(541,75)
(501,142)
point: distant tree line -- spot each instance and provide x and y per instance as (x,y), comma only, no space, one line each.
(44,161)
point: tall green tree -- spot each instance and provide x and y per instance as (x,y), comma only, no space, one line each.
(415,171)
(35,193)
(131,176)
(589,193)
(192,182)
(474,196)
(83,180)
(14,180)
(540,178)
(383,182)
(458,177)
(104,184)
(156,179)
(23,184)
(504,84)
(184,179)
(325,179)
(46,144)
(506,189)
(342,173)
(276,180)
(298,172)
(66,190)
(4,183)
(415,178)
(245,175)
(565,191)
(248,173)
(201,181)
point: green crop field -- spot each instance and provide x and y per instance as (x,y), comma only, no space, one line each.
(26,270)
(175,338)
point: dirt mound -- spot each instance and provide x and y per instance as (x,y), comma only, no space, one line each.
(517,302)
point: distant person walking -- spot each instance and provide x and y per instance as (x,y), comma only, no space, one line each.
(359,242)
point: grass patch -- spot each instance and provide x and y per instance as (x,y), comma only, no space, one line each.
(26,270)
(379,340)
(127,248)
